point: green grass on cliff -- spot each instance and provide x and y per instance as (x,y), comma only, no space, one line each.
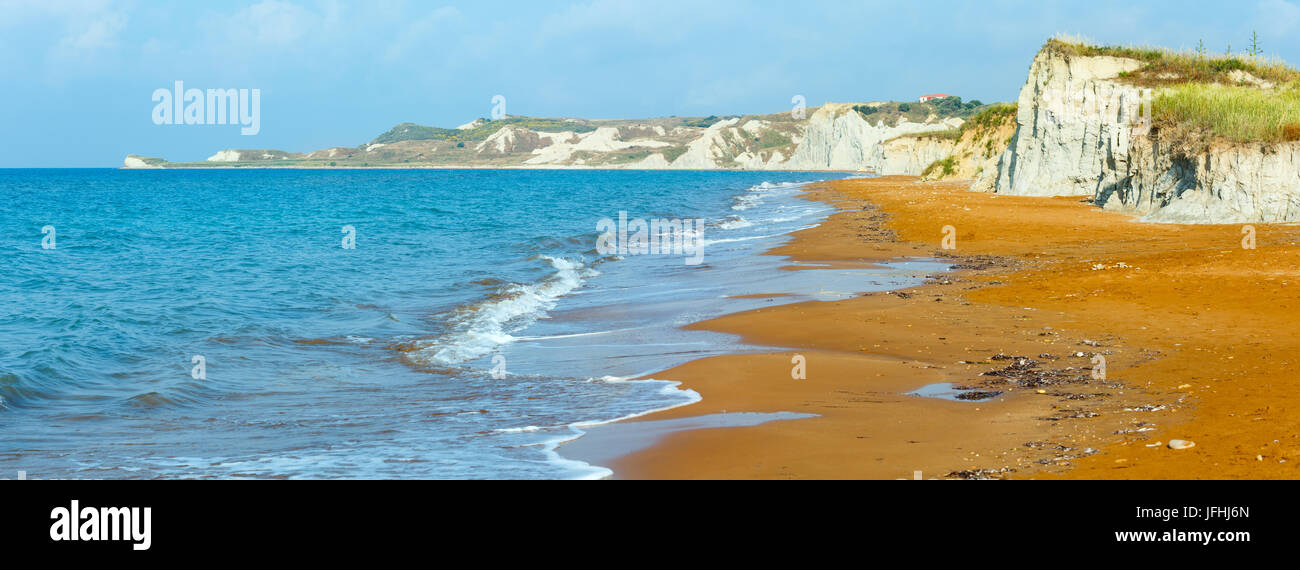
(414,132)
(1232,113)
(1200,98)
(988,118)
(1165,67)
(991,117)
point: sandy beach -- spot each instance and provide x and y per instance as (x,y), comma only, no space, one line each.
(1193,328)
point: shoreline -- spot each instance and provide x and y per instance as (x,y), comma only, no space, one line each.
(462,167)
(1034,277)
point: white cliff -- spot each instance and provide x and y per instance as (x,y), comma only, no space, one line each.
(839,138)
(1230,184)
(1078,133)
(1072,130)
(910,156)
(133,161)
(834,136)
(225,156)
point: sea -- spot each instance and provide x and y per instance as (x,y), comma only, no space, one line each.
(371,324)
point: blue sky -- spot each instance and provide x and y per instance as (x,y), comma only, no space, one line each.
(79,74)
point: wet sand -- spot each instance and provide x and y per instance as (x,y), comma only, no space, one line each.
(1196,334)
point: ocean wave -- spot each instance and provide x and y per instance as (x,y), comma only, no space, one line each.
(572,335)
(553,243)
(709,242)
(40,380)
(746,201)
(479,329)
(769,186)
(754,195)
(11,392)
(152,400)
(566,433)
(525,429)
(734,223)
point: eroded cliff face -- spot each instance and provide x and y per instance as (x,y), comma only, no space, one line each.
(910,156)
(1078,133)
(972,155)
(1072,135)
(839,138)
(834,137)
(1231,184)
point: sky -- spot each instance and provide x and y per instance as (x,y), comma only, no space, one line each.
(78,76)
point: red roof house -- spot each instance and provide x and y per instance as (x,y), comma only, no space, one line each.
(926,98)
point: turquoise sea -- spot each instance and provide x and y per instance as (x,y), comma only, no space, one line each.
(472,327)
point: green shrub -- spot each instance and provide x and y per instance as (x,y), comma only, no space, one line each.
(947,166)
(890,113)
(991,116)
(772,139)
(671,153)
(704,123)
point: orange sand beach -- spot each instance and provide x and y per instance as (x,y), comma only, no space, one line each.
(1193,331)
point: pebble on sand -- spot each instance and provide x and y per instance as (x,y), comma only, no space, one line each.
(1181,444)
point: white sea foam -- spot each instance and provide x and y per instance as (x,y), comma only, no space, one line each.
(526,429)
(587,471)
(755,195)
(749,238)
(734,223)
(479,329)
(746,201)
(573,335)
(768,186)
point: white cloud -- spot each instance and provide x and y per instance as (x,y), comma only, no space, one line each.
(273,23)
(62,39)
(75,26)
(98,33)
